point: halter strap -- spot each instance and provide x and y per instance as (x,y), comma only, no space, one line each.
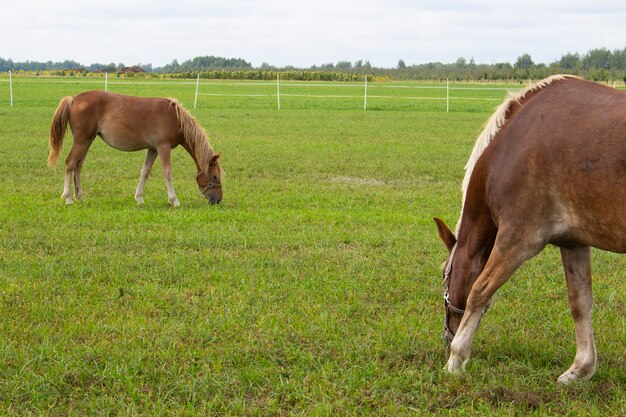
(452,308)
(211,185)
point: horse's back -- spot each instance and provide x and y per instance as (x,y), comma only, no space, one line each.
(118,105)
(559,164)
(125,122)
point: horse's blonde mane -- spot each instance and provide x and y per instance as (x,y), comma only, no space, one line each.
(493,126)
(195,137)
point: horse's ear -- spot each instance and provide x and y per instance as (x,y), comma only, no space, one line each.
(202,179)
(445,234)
(214,159)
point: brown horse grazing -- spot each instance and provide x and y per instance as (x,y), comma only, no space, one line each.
(132,124)
(549,168)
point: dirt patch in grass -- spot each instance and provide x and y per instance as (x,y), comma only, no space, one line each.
(499,396)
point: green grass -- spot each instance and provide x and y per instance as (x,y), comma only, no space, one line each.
(313,289)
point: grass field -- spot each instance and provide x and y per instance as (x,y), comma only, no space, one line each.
(313,289)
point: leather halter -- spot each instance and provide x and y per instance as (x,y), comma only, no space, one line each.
(447,333)
(211,185)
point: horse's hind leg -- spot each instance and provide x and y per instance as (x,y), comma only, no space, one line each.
(509,252)
(78,188)
(577,265)
(67,187)
(73,163)
(145,172)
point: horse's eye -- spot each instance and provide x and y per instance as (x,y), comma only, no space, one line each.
(215,177)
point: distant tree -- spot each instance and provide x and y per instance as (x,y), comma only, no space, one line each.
(618,60)
(6,65)
(597,58)
(569,61)
(401,64)
(524,62)
(344,65)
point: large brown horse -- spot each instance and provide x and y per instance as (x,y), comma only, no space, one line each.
(132,124)
(548,168)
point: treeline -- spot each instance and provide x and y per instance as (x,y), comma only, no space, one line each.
(597,64)
(269,74)
(67,65)
(204,63)
(200,63)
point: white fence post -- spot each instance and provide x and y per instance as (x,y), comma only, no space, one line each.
(278,89)
(447,95)
(195,100)
(106,81)
(11,86)
(365,96)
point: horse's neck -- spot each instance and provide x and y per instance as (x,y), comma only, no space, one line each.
(201,153)
(193,153)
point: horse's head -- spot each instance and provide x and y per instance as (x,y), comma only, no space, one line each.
(210,181)
(453,315)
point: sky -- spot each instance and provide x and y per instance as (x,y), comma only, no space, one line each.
(308,33)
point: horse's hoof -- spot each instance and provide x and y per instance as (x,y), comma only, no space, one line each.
(567,378)
(574,375)
(454,366)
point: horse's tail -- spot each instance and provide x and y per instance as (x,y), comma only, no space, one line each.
(58,127)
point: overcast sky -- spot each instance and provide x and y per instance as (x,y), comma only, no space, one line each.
(305,33)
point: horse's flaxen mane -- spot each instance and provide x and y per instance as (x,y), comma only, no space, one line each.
(195,137)
(495,123)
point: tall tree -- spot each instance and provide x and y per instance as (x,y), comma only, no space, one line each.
(524,62)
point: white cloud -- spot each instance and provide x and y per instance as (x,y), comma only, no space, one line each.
(304,34)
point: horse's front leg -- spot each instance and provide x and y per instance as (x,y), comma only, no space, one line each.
(577,265)
(164,154)
(506,257)
(145,172)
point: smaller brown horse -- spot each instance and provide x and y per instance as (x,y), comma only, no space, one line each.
(132,124)
(549,168)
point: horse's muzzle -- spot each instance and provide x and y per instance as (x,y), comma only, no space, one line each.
(213,194)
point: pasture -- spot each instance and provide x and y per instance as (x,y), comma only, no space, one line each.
(314,288)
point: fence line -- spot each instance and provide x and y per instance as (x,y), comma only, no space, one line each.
(447,95)
(303,85)
(366,86)
(11,86)
(195,99)
(365,96)
(278,90)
